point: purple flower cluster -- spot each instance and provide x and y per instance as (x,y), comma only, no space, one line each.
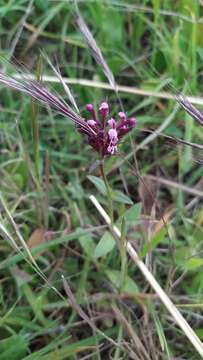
(103,132)
(106,133)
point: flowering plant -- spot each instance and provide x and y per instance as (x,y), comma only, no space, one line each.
(103,134)
(107,133)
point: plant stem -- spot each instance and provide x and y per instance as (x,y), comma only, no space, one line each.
(108,190)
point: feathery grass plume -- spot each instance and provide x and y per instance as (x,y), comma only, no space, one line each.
(191,109)
(39,92)
(95,51)
(103,134)
(65,86)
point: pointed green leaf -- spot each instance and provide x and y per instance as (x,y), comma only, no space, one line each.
(129,286)
(99,184)
(105,245)
(119,196)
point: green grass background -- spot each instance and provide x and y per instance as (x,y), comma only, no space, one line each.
(147,44)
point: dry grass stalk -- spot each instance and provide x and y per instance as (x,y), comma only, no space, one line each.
(120,88)
(179,319)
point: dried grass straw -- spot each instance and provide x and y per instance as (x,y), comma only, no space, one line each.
(179,319)
(105,86)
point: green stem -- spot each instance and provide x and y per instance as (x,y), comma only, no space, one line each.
(123,254)
(108,190)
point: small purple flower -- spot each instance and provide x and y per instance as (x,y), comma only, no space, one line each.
(111,149)
(104,109)
(122,115)
(91,123)
(112,123)
(113,139)
(113,136)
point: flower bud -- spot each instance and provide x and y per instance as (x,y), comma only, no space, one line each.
(112,123)
(122,115)
(90,108)
(131,122)
(104,109)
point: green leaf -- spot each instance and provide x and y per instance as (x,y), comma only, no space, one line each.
(155,241)
(185,258)
(193,263)
(199,333)
(182,253)
(119,196)
(129,285)
(13,260)
(161,335)
(13,347)
(133,214)
(64,352)
(88,245)
(99,183)
(105,245)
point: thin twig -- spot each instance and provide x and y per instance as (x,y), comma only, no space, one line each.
(124,6)
(137,342)
(80,311)
(20,29)
(176,185)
